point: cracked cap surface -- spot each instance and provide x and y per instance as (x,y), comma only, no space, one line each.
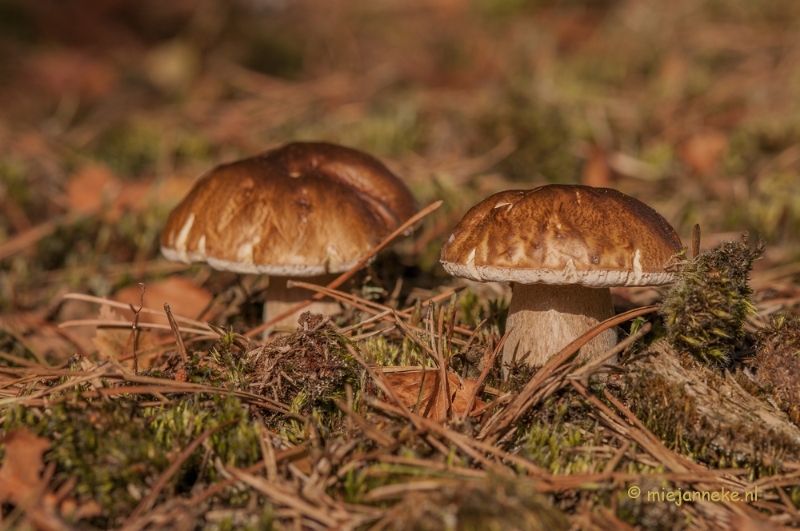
(301,209)
(562,234)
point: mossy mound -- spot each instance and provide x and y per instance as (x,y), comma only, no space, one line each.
(706,309)
(777,363)
(309,370)
(705,414)
(116,450)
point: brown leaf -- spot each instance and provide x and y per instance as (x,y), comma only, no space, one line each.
(132,196)
(91,187)
(184,298)
(40,336)
(20,474)
(703,151)
(60,73)
(136,196)
(117,342)
(406,386)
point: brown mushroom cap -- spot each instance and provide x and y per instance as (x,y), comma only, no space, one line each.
(301,209)
(562,234)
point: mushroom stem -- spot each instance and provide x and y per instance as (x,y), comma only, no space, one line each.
(545,318)
(280,299)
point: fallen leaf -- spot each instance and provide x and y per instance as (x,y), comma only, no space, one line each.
(40,336)
(20,475)
(114,343)
(406,387)
(91,187)
(184,298)
(60,73)
(133,196)
(703,151)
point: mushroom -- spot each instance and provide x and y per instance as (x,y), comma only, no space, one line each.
(301,210)
(562,247)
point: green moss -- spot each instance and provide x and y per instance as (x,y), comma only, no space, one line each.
(276,54)
(560,435)
(131,149)
(706,309)
(117,449)
(543,137)
(658,388)
(15,182)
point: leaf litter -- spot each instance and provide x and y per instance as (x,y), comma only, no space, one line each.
(395,415)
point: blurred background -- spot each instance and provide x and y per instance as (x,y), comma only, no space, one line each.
(110,109)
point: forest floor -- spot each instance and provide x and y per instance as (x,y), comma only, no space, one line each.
(111,418)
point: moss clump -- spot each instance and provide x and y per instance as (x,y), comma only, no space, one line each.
(130,148)
(117,449)
(494,505)
(558,432)
(309,370)
(777,363)
(543,136)
(702,414)
(705,311)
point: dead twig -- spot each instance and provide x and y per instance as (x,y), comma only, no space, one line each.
(176,333)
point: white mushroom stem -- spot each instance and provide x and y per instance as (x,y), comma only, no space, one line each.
(280,299)
(545,318)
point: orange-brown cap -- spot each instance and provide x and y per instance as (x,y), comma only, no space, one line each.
(563,234)
(301,209)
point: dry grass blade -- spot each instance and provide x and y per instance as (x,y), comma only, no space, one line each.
(489,363)
(398,490)
(378,310)
(525,399)
(124,324)
(582,373)
(148,501)
(122,306)
(176,333)
(369,430)
(438,347)
(280,495)
(427,464)
(72,382)
(700,476)
(464,443)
